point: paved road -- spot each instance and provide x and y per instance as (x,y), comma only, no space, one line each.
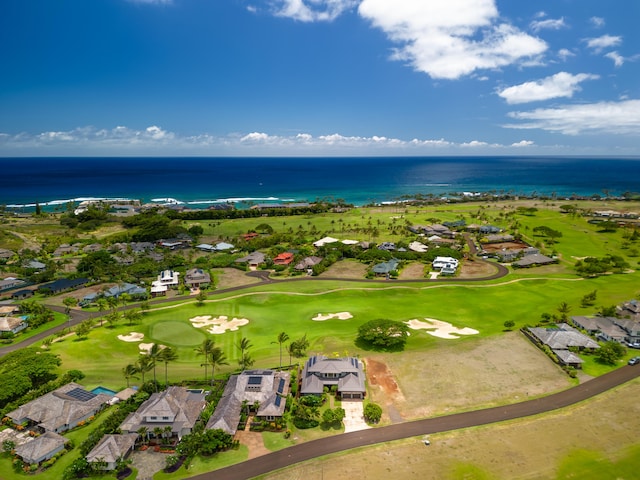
(324,446)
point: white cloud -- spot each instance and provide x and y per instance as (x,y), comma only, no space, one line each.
(605,41)
(597,22)
(450,38)
(313,10)
(548,24)
(618,60)
(523,143)
(561,84)
(618,118)
(565,53)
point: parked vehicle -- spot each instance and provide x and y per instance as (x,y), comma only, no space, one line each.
(634,361)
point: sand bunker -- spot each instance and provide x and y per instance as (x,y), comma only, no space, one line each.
(440,329)
(341,316)
(145,347)
(132,337)
(219,324)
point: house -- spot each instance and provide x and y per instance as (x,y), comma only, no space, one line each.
(12,325)
(385,268)
(345,374)
(254,259)
(222,246)
(249,236)
(604,327)
(34,265)
(196,278)
(388,246)
(65,249)
(284,258)
(631,328)
(205,247)
(266,388)
(495,238)
(111,449)
(533,260)
(166,279)
(130,289)
(60,410)
(11,282)
(41,448)
(22,294)
(6,254)
(629,309)
(307,263)
(447,265)
(418,247)
(63,285)
(92,248)
(560,339)
(175,407)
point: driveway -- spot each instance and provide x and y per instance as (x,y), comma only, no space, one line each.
(148,463)
(354,416)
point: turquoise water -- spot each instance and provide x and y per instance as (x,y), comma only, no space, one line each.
(99,390)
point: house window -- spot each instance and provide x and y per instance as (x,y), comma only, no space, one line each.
(153,418)
(165,418)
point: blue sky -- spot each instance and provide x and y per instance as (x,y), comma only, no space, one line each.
(319,77)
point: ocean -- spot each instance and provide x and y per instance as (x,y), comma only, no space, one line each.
(200,182)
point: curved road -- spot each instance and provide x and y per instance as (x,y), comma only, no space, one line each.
(324,446)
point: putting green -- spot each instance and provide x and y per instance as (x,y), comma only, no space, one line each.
(178,334)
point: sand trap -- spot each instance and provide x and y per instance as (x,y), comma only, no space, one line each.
(340,316)
(132,337)
(145,347)
(219,324)
(440,329)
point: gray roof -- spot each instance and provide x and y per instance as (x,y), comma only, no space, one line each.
(40,447)
(567,357)
(320,371)
(534,259)
(254,257)
(563,337)
(386,267)
(267,387)
(112,447)
(177,403)
(308,262)
(196,275)
(605,325)
(64,406)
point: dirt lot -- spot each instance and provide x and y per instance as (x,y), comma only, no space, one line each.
(459,375)
(476,269)
(346,269)
(496,247)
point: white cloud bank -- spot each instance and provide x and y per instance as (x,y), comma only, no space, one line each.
(450,39)
(158,142)
(561,84)
(621,118)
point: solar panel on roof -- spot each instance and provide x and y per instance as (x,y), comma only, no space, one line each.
(281,385)
(278,401)
(255,380)
(80,394)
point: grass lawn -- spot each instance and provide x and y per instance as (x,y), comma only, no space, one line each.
(206,464)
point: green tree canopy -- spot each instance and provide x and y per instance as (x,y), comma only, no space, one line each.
(383,334)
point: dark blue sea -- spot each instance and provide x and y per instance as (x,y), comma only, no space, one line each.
(200,182)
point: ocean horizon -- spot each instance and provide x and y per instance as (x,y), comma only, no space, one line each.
(202,181)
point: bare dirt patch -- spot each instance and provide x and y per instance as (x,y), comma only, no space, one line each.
(413,271)
(346,269)
(232,277)
(496,247)
(476,269)
(468,373)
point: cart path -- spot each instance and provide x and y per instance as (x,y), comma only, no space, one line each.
(339,443)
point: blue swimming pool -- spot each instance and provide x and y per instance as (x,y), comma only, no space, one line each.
(98,390)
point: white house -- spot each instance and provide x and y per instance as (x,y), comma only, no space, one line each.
(166,280)
(445,264)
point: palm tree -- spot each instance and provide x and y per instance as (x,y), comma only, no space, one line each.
(143,432)
(144,365)
(130,371)
(205,349)
(245,359)
(564,308)
(282,337)
(216,358)
(154,355)
(133,316)
(167,355)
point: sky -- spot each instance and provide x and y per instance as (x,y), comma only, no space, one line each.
(319,77)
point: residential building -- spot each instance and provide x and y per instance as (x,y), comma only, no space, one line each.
(197,278)
(447,265)
(266,388)
(560,339)
(606,328)
(12,324)
(175,407)
(254,259)
(284,258)
(41,448)
(307,263)
(166,279)
(111,449)
(346,374)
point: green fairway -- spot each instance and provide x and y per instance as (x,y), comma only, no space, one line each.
(176,334)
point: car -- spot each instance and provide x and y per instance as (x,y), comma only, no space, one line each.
(634,345)
(634,361)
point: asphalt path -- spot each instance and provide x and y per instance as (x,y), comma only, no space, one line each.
(339,443)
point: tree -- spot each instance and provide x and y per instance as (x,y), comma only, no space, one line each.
(298,348)
(589,299)
(133,316)
(205,350)
(282,337)
(201,297)
(609,311)
(154,355)
(611,352)
(245,361)
(144,365)
(216,359)
(509,324)
(167,355)
(68,303)
(82,330)
(372,412)
(383,334)
(563,309)
(129,372)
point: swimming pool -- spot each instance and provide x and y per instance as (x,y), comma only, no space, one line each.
(99,390)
